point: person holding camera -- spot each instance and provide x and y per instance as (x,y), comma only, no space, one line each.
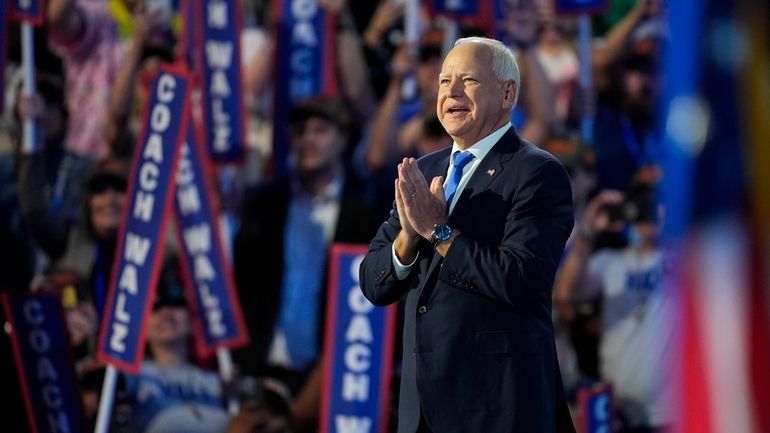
(636,334)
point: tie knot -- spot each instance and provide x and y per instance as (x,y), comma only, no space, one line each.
(462,159)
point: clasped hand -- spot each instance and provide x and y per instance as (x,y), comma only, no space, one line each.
(419,205)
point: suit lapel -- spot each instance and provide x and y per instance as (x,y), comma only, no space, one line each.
(438,168)
(490,167)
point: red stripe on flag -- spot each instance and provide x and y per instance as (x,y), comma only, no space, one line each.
(694,392)
(759,337)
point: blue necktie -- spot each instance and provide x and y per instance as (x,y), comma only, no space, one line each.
(461,160)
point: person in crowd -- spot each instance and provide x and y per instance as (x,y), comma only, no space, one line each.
(556,54)
(152,43)
(281,250)
(636,331)
(475,257)
(86,246)
(379,42)
(264,407)
(60,169)
(85,36)
(171,393)
(625,67)
(385,141)
(534,116)
(351,76)
(81,244)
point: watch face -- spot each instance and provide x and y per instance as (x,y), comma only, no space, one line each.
(443,232)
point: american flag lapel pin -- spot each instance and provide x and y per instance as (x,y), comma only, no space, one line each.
(491,172)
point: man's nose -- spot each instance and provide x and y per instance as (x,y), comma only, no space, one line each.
(455,87)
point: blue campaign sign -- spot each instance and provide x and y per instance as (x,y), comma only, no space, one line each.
(220,59)
(486,14)
(456,7)
(44,363)
(30,11)
(596,408)
(142,236)
(218,317)
(305,59)
(582,6)
(359,351)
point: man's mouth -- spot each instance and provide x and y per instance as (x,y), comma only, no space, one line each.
(454,110)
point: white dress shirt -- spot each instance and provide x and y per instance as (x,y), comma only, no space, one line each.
(479,151)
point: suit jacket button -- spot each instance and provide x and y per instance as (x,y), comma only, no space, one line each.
(422,310)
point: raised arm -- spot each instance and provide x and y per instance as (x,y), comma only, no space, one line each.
(617,37)
(383,140)
(572,273)
(124,88)
(352,68)
(538,97)
(48,228)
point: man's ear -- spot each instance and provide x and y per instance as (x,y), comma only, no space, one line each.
(509,93)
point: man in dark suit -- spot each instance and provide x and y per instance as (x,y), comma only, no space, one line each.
(280,252)
(476,257)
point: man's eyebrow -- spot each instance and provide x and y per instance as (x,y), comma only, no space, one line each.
(463,74)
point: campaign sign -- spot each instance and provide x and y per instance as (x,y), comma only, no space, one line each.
(44,363)
(582,6)
(220,63)
(30,11)
(486,14)
(142,235)
(305,64)
(456,7)
(596,407)
(218,317)
(359,351)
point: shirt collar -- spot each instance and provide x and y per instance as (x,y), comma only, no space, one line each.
(480,148)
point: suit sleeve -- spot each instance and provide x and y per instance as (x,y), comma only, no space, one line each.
(520,270)
(377,275)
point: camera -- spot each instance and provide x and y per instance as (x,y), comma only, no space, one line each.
(265,393)
(638,206)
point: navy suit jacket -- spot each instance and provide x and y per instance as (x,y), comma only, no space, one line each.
(478,341)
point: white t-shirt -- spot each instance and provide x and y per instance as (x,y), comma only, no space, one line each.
(637,338)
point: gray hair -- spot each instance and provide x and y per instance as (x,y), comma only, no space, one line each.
(503,61)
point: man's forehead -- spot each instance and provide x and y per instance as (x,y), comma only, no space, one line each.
(470,51)
(468,57)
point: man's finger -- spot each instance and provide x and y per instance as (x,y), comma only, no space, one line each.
(413,176)
(399,197)
(437,187)
(407,180)
(407,192)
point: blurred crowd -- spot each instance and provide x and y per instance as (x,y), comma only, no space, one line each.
(62,201)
